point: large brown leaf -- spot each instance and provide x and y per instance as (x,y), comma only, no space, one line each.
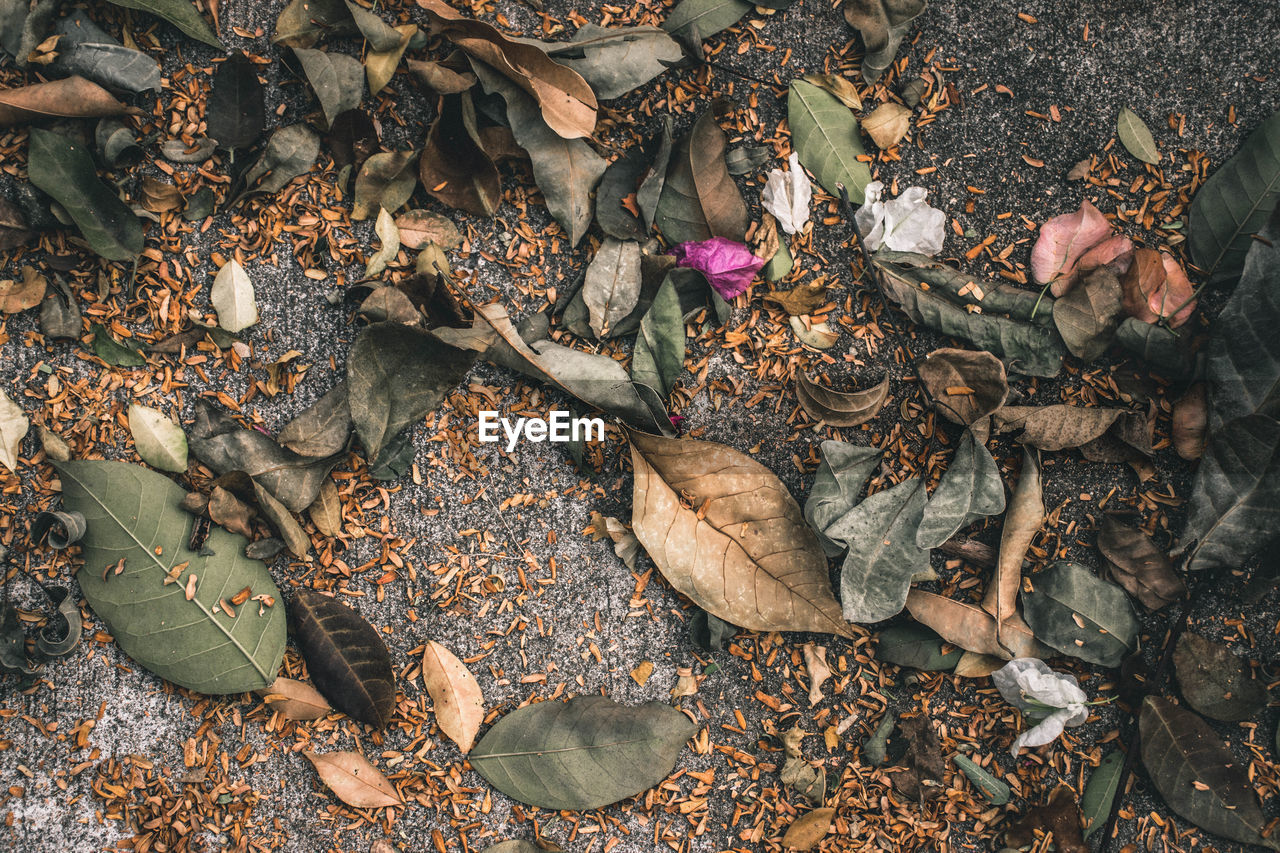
(459,704)
(356,782)
(346,657)
(72,97)
(1021,523)
(972,628)
(739,547)
(454,166)
(966,385)
(1134,562)
(568,105)
(699,199)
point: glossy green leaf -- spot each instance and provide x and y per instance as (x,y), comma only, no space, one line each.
(1136,137)
(824,132)
(1079,614)
(64,169)
(1197,776)
(1100,791)
(996,791)
(137,538)
(181,14)
(658,358)
(970,489)
(159,441)
(1236,203)
(581,754)
(916,646)
(396,375)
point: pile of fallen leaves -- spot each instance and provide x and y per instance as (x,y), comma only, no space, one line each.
(178,569)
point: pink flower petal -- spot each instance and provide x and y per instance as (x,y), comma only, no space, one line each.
(728,265)
(1063,239)
(1115,252)
(1174,293)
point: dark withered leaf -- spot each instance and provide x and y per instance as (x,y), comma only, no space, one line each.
(454,167)
(1215,681)
(112,351)
(395,375)
(1196,774)
(181,13)
(60,313)
(236,112)
(1059,816)
(389,304)
(87,50)
(804,298)
(840,408)
(346,657)
(747,158)
(291,151)
(710,632)
(1135,562)
(923,761)
(199,205)
(1087,317)
(699,199)
(13,227)
(225,446)
(352,138)
(229,512)
(173,344)
(61,529)
(915,646)
(279,517)
(322,428)
(303,23)
(395,460)
(61,634)
(385,180)
(1159,346)
(264,549)
(621,181)
(441,77)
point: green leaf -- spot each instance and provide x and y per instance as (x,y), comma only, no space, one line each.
(876,748)
(112,351)
(970,489)
(915,646)
(929,292)
(386,180)
(304,22)
(620,180)
(1243,365)
(825,135)
(658,358)
(566,170)
(1235,497)
(64,169)
(159,441)
(841,476)
(1236,203)
(133,516)
(1159,346)
(86,50)
(291,151)
(181,14)
(694,20)
(1215,681)
(616,60)
(1136,137)
(337,80)
(1089,314)
(395,375)
(611,287)
(13,427)
(1195,773)
(1100,791)
(996,791)
(649,195)
(699,198)
(1081,615)
(380,35)
(883,558)
(581,754)
(233,298)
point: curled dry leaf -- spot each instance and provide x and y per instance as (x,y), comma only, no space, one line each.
(1060,427)
(742,551)
(803,299)
(815,662)
(817,335)
(1191,422)
(440,78)
(354,780)
(71,97)
(883,24)
(1133,561)
(841,87)
(1021,524)
(459,704)
(346,657)
(294,700)
(887,124)
(389,235)
(966,385)
(385,182)
(841,408)
(1059,816)
(13,427)
(454,166)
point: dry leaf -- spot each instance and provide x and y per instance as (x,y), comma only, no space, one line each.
(844,90)
(840,408)
(354,780)
(807,831)
(976,665)
(815,661)
(966,385)
(459,704)
(18,296)
(1064,239)
(72,97)
(1022,522)
(686,683)
(972,628)
(294,700)
(1191,422)
(800,300)
(158,197)
(887,124)
(642,672)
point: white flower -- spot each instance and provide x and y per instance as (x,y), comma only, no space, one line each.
(787,196)
(905,224)
(1029,684)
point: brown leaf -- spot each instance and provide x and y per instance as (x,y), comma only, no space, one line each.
(840,408)
(725,532)
(815,661)
(1191,422)
(954,369)
(294,700)
(977,665)
(71,97)
(389,304)
(972,628)
(326,511)
(18,296)
(1134,562)
(567,103)
(454,167)
(699,198)
(1060,816)
(1059,427)
(764,239)
(921,780)
(807,831)
(1088,316)
(13,227)
(1021,523)
(229,512)
(801,299)
(887,124)
(346,657)
(158,197)
(842,87)
(419,227)
(1174,299)
(459,704)
(354,780)
(1114,254)
(440,78)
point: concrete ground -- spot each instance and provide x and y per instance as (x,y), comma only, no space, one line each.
(567,619)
